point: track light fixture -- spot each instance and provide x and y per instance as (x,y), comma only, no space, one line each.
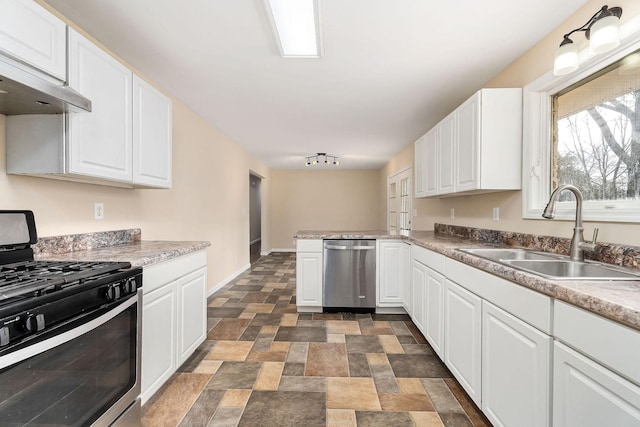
(322,158)
(603,32)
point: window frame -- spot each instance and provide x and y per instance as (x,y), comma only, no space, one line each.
(537,136)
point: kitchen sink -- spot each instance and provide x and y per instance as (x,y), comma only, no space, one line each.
(500,254)
(553,266)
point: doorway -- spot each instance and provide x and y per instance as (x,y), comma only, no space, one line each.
(255,217)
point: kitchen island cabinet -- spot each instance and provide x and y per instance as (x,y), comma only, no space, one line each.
(393,274)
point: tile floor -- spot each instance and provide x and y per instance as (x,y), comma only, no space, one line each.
(263,364)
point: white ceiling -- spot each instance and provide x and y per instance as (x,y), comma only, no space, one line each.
(391,69)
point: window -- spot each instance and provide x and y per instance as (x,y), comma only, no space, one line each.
(399,202)
(584,129)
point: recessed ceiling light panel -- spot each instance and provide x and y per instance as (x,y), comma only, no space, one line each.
(297,27)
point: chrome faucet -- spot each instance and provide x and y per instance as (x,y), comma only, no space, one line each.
(578,244)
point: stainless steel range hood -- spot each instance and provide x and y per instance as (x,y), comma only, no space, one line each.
(22,92)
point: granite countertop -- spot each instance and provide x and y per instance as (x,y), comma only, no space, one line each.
(119,245)
(139,254)
(616,300)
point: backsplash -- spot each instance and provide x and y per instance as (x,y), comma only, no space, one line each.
(611,253)
(77,242)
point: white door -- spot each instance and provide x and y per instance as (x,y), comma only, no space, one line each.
(463,338)
(393,264)
(418,294)
(152,135)
(434,302)
(192,313)
(31,34)
(468,139)
(430,159)
(516,370)
(446,154)
(399,202)
(158,338)
(100,142)
(309,279)
(585,394)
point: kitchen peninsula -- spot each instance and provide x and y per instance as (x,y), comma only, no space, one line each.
(495,326)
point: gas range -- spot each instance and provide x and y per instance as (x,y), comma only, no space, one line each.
(69,335)
(37,295)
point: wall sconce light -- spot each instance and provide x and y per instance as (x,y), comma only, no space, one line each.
(322,158)
(603,32)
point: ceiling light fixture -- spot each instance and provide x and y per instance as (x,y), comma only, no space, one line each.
(296,24)
(603,32)
(322,158)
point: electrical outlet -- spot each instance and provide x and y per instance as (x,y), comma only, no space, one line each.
(452,213)
(98,210)
(496,214)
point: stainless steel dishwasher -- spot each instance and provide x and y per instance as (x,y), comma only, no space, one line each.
(349,279)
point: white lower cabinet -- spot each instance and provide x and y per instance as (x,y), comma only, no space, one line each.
(516,371)
(174,317)
(393,274)
(463,338)
(309,275)
(159,337)
(586,394)
(418,309)
(434,316)
(192,323)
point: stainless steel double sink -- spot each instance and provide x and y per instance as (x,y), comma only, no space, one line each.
(553,266)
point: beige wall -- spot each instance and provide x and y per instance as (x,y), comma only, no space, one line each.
(209,199)
(476,211)
(322,200)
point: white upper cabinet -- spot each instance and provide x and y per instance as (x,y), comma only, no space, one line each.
(420,180)
(100,142)
(32,35)
(446,150)
(152,124)
(477,147)
(125,141)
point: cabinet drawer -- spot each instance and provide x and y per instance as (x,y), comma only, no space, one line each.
(530,306)
(309,245)
(604,340)
(157,275)
(431,259)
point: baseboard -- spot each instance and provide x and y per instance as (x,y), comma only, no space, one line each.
(282,250)
(390,310)
(253,242)
(265,253)
(220,284)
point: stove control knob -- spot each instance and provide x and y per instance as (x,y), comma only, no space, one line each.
(113,292)
(130,285)
(34,322)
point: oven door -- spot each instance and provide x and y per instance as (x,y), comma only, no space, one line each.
(84,372)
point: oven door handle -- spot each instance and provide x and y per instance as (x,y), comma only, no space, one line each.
(45,345)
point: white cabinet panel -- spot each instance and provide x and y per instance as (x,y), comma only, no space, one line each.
(468,139)
(434,300)
(446,154)
(100,142)
(309,279)
(585,394)
(430,161)
(418,309)
(31,34)
(192,309)
(463,338)
(420,163)
(516,372)
(393,273)
(159,337)
(152,135)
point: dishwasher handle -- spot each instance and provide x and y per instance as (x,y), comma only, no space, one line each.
(349,248)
